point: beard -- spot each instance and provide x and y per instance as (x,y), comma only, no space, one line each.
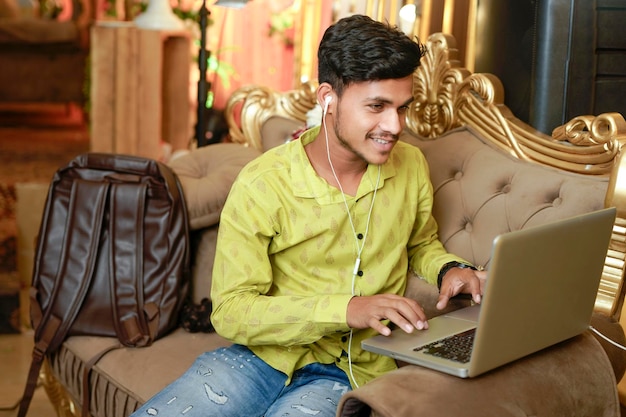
(369,136)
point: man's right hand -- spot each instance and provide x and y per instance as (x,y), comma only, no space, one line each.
(369,311)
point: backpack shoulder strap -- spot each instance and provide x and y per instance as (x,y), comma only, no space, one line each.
(126,229)
(82,234)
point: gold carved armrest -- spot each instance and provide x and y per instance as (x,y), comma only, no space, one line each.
(611,292)
(249,107)
(448,96)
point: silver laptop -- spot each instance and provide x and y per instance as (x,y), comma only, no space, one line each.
(541,290)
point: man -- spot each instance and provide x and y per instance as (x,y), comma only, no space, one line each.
(314,244)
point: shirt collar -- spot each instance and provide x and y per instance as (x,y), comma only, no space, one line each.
(307,184)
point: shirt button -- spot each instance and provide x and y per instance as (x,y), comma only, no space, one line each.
(344,339)
(360,236)
(360,273)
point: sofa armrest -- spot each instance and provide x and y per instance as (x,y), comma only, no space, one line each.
(552,382)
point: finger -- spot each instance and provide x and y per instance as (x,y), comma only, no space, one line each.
(482,278)
(405,313)
(379,327)
(413,313)
(442,302)
(418,322)
(472,287)
(477,297)
(477,286)
(449,289)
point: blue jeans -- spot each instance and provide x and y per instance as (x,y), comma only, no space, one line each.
(233,382)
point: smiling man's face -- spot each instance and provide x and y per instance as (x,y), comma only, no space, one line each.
(370,117)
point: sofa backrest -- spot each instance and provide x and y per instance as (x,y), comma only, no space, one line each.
(481,192)
(491,172)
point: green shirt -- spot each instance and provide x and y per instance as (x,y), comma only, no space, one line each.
(286,251)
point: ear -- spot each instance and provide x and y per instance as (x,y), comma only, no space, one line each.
(324,96)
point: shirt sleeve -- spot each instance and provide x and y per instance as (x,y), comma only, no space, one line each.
(243,287)
(426,253)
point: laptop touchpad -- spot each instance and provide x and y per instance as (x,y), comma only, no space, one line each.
(468,313)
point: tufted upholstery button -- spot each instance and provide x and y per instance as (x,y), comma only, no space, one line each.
(557,201)
(458,175)
(506,189)
(469,227)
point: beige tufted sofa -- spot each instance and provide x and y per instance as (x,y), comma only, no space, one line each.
(491,174)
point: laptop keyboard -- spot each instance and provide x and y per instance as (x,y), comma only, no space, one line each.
(456,348)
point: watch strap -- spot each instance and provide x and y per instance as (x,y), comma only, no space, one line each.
(453,264)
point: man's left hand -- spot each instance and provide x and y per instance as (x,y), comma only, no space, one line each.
(461,281)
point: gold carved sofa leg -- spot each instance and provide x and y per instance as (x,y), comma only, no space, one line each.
(60,399)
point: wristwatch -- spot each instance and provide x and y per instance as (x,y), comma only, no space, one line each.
(450,265)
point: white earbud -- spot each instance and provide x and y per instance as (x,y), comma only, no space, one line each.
(327,101)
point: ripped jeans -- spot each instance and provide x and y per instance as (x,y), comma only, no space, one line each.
(233,382)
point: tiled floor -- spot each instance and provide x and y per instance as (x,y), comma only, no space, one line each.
(15,352)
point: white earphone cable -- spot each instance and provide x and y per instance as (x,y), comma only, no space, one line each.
(596,331)
(359,248)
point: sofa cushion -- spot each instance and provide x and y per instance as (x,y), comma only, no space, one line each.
(206,175)
(125,378)
(480,192)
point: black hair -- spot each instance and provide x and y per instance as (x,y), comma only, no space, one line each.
(358,49)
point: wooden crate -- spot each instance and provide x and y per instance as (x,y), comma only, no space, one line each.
(140,83)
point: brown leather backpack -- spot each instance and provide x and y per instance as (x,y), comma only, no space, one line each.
(112,257)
